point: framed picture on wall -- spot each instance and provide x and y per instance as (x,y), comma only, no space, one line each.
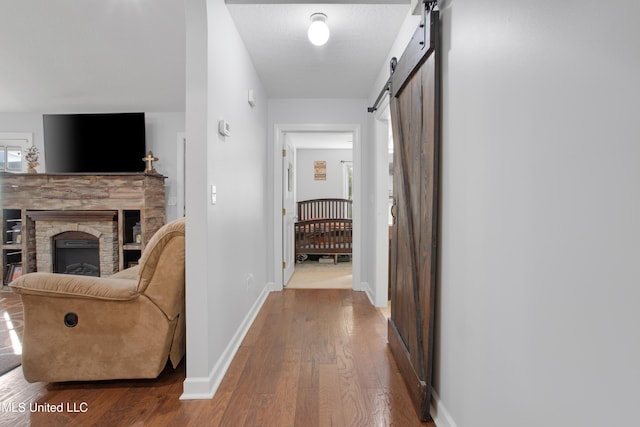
(320,170)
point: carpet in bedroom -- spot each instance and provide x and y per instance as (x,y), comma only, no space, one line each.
(315,275)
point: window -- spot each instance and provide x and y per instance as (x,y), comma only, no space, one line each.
(13,147)
(347,179)
(13,159)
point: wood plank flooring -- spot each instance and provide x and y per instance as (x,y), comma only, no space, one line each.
(311,358)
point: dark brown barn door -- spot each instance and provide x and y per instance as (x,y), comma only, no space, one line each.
(415,121)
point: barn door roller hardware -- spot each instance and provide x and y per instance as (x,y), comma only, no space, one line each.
(429,6)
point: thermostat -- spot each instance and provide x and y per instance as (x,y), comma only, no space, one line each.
(224,128)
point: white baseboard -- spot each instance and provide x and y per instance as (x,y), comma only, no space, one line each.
(273,286)
(441,417)
(206,387)
(366,288)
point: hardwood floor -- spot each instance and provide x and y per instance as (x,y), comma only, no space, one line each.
(11,324)
(311,358)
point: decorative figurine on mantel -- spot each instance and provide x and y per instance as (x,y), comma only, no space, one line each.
(150,170)
(32,159)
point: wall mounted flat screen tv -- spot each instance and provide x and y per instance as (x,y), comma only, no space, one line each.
(94,143)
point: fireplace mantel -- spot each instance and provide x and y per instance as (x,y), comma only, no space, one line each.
(72,216)
(77,199)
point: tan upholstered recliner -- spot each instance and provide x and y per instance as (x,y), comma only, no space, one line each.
(79,328)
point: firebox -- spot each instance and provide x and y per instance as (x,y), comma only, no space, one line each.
(76,252)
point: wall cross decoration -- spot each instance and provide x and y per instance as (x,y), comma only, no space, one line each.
(149,159)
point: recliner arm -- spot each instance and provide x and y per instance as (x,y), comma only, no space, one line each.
(69,285)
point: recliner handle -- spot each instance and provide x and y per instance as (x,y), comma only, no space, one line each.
(70,320)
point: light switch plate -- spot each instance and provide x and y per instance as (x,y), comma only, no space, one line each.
(224,128)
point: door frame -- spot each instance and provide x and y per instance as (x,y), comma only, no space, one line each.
(359,240)
(382,124)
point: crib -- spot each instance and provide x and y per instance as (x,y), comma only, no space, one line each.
(324,227)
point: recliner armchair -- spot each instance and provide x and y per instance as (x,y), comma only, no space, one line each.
(80,328)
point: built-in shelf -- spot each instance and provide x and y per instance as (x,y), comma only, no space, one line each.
(11,241)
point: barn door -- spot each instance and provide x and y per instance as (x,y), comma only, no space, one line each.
(415,121)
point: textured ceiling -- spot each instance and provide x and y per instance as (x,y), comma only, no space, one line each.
(117,55)
(291,67)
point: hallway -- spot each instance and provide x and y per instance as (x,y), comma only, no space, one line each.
(311,358)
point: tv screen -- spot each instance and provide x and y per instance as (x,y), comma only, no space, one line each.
(94,143)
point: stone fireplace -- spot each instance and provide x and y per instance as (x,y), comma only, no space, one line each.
(120,211)
(99,227)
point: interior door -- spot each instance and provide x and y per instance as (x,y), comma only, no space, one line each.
(289,212)
(415,115)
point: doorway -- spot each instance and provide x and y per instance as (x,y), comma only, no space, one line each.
(318,167)
(303,137)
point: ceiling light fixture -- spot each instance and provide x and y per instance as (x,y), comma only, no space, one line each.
(318,30)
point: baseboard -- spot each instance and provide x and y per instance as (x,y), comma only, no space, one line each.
(197,388)
(366,288)
(441,417)
(206,387)
(273,286)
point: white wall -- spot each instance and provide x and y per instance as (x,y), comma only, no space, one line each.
(25,123)
(307,187)
(161,136)
(538,298)
(226,242)
(162,131)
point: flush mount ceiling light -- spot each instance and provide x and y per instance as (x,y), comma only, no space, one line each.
(318,30)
